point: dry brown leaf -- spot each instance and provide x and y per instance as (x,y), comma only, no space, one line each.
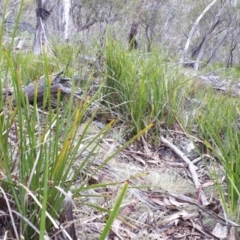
(180,214)
(170,231)
(232,234)
(220,231)
(126,211)
(174,202)
(208,184)
(157,200)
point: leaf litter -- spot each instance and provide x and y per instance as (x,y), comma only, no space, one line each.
(171,194)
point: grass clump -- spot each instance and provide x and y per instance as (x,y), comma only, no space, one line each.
(217,122)
(39,150)
(143,87)
(38,153)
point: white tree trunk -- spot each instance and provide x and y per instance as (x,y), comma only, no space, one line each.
(195,25)
(62,18)
(207,36)
(66,12)
(233,3)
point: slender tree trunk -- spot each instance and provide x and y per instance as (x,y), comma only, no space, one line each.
(66,12)
(40,40)
(230,58)
(133,44)
(217,48)
(194,27)
(202,47)
(63,18)
(208,35)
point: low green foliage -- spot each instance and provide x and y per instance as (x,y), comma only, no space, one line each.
(219,126)
(144,87)
(34,66)
(39,149)
(41,156)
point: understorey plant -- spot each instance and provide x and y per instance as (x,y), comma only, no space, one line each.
(45,147)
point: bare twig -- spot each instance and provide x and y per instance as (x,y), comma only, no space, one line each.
(192,168)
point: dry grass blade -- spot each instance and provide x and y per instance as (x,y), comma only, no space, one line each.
(27,221)
(10,213)
(40,205)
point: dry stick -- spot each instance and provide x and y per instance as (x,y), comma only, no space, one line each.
(192,168)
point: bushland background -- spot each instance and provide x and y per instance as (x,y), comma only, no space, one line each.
(151,148)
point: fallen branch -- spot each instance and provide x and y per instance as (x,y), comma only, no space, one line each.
(38,89)
(192,169)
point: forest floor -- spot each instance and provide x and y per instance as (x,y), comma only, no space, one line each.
(171,194)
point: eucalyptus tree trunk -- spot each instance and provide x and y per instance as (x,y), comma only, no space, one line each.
(233,2)
(61,18)
(194,27)
(66,12)
(40,40)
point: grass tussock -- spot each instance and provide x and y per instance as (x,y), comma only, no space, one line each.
(143,87)
(218,124)
(214,118)
(39,149)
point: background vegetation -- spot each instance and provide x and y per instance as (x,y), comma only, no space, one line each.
(53,158)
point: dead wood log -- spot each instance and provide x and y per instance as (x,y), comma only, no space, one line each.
(51,86)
